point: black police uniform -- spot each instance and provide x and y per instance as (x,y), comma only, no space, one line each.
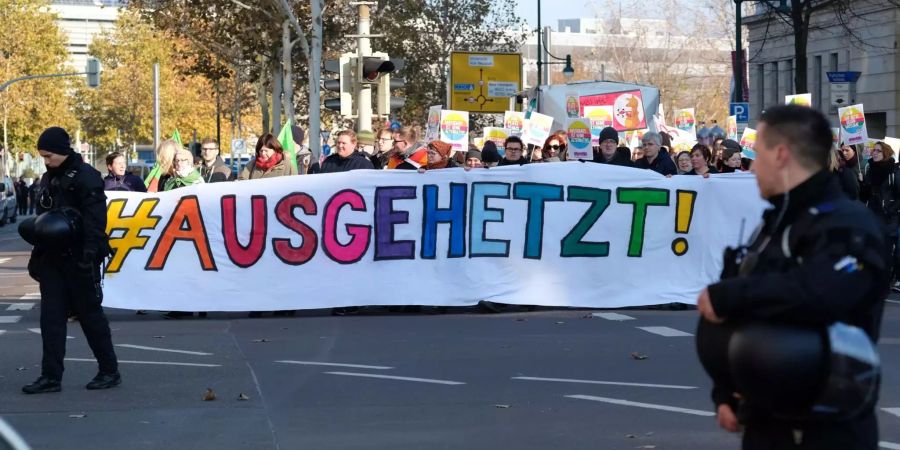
(818,258)
(70,280)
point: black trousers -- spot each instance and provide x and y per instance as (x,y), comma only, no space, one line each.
(66,287)
(860,433)
(23,207)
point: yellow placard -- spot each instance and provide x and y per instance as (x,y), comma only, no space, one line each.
(484,82)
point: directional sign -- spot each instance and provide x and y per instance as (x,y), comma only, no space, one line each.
(741,110)
(484,82)
(843,77)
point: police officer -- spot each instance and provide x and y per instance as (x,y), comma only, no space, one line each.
(68,267)
(817,259)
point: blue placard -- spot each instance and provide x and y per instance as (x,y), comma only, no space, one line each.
(843,77)
(741,110)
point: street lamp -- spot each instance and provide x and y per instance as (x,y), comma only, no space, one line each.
(568,71)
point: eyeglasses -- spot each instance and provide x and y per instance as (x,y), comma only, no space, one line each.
(514,149)
(609,141)
(209,149)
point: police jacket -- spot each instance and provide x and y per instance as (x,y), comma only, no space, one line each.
(817,258)
(77,185)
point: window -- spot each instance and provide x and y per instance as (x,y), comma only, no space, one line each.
(775,84)
(761,91)
(833,64)
(789,77)
(817,93)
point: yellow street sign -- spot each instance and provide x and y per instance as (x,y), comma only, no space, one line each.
(484,82)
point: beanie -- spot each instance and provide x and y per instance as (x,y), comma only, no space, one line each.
(489,153)
(365,137)
(731,144)
(609,133)
(55,140)
(474,153)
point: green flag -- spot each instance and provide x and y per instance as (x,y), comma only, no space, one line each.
(176,136)
(286,139)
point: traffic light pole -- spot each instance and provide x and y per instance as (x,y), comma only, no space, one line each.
(315,74)
(364,91)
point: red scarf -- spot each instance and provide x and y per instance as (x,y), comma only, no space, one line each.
(269,163)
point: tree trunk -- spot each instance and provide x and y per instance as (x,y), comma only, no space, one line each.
(276,94)
(263,99)
(801,35)
(287,71)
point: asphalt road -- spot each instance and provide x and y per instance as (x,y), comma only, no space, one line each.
(377,380)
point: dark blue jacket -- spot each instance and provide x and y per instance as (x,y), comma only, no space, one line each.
(128,182)
(662,164)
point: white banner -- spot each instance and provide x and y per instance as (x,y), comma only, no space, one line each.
(565,234)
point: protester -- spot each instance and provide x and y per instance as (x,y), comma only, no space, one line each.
(439,156)
(718,151)
(165,157)
(269,161)
(21,189)
(514,147)
(731,161)
(554,146)
(119,179)
(637,154)
(880,189)
(384,146)
(67,263)
(655,158)
(32,196)
(818,258)
(183,172)
(683,163)
(490,156)
(365,142)
(473,159)
(609,153)
(212,167)
(346,157)
(700,156)
(846,178)
(407,148)
(851,158)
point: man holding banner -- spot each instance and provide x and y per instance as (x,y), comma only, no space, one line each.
(787,334)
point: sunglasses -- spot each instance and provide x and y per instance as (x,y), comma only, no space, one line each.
(556,147)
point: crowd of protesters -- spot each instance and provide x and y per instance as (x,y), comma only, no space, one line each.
(873,179)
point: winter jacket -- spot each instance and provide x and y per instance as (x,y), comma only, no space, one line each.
(618,159)
(881,193)
(357,161)
(128,182)
(662,165)
(216,173)
(505,162)
(251,172)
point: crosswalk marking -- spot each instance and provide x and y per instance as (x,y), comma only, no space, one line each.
(38,331)
(665,331)
(894,411)
(10,319)
(612,316)
(20,307)
(32,296)
(5,260)
(2,332)
(616,401)
(889,445)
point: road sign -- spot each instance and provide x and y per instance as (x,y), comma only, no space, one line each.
(741,110)
(843,77)
(484,82)
(840,94)
(238,146)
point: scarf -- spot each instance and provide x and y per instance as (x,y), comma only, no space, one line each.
(879,171)
(269,163)
(177,181)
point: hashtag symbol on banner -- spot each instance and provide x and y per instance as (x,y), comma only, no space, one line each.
(129,229)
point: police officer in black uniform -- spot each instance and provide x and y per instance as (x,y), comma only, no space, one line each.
(817,259)
(68,266)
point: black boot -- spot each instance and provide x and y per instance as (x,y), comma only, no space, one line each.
(42,385)
(105,381)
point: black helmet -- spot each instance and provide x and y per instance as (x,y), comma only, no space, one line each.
(58,230)
(809,373)
(26,230)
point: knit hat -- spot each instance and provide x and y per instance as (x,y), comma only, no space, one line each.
(365,137)
(609,133)
(442,147)
(473,154)
(55,140)
(489,153)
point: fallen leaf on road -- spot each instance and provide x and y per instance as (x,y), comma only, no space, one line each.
(502,406)
(261,340)
(20,369)
(638,356)
(209,395)
(243,397)
(77,416)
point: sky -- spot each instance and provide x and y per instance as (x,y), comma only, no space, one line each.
(553,10)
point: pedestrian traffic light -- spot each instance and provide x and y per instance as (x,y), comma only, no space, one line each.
(93,72)
(343,84)
(373,67)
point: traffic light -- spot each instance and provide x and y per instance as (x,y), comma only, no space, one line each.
(374,67)
(93,72)
(343,84)
(386,84)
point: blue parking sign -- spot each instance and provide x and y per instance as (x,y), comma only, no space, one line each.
(741,110)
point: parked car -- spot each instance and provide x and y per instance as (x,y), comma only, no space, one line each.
(8,207)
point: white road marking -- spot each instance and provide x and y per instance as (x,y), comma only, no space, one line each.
(889,445)
(315,363)
(611,383)
(612,316)
(20,307)
(38,331)
(665,331)
(894,411)
(2,332)
(10,319)
(32,296)
(157,349)
(893,301)
(5,260)
(617,401)
(160,363)
(390,377)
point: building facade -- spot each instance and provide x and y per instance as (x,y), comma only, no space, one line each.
(81,20)
(864,39)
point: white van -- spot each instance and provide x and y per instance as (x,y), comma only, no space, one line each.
(8,207)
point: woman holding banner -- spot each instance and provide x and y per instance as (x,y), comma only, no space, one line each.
(700,156)
(165,157)
(269,161)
